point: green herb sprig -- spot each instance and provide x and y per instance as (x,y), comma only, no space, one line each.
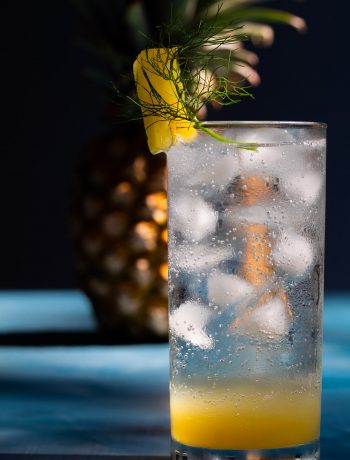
(205,58)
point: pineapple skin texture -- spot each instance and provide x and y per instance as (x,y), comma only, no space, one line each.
(161,131)
(119,241)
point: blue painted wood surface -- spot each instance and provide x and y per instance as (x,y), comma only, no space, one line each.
(36,311)
(113,400)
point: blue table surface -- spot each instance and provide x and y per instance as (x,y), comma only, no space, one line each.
(105,400)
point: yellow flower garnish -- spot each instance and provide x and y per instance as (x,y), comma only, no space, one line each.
(155,92)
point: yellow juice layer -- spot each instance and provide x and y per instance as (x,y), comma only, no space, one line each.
(250,415)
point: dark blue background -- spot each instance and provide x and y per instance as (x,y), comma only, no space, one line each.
(48,111)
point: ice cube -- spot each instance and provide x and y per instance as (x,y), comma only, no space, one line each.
(305,187)
(220,171)
(255,214)
(225,289)
(270,318)
(270,215)
(264,135)
(192,217)
(188,321)
(279,154)
(275,215)
(182,160)
(273,161)
(265,160)
(195,258)
(293,253)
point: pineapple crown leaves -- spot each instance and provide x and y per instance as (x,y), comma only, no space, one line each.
(106,26)
(208,38)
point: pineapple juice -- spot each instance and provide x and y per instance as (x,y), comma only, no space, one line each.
(247,414)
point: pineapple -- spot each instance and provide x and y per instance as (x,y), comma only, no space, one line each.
(119,200)
(119,233)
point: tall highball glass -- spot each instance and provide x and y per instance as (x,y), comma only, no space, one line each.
(246,245)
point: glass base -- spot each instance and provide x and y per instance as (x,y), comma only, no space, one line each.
(309,451)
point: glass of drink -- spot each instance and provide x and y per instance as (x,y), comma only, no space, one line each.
(246,245)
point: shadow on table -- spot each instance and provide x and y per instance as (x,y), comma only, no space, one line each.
(89,409)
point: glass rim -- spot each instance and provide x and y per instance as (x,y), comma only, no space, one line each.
(264,124)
